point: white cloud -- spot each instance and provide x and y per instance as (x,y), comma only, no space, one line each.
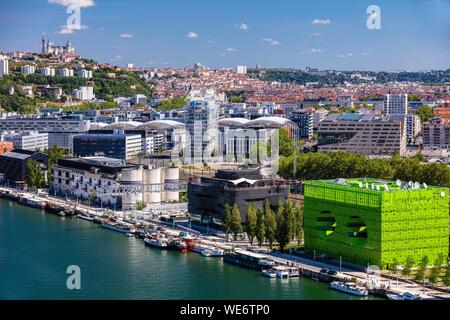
(316,34)
(312,51)
(323,22)
(65,29)
(243,26)
(344,55)
(79,3)
(231,50)
(271,41)
(192,35)
(126,35)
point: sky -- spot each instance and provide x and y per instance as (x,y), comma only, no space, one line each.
(324,34)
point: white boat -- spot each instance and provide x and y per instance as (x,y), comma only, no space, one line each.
(129,235)
(270,273)
(404,296)
(276,272)
(206,250)
(157,243)
(349,287)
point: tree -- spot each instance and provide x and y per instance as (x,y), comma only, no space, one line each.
(260,227)
(271,224)
(54,153)
(236,226)
(289,212)
(393,266)
(420,275)
(250,223)
(283,229)
(298,224)
(34,176)
(434,274)
(425,113)
(226,220)
(408,265)
(446,278)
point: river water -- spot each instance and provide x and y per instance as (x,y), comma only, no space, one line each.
(37,247)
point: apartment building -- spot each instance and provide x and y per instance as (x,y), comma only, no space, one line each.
(436,133)
(396,104)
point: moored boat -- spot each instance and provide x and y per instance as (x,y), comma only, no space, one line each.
(117,227)
(206,250)
(178,245)
(349,287)
(33,203)
(156,243)
(85,217)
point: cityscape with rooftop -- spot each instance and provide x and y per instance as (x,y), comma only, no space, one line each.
(305,157)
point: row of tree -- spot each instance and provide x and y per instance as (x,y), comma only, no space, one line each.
(316,166)
(35,177)
(265,225)
(421,274)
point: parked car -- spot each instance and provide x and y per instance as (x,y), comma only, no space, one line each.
(332,272)
(323,270)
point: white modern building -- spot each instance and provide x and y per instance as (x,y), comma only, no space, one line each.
(241,69)
(396,104)
(87,74)
(202,125)
(65,72)
(28,69)
(59,130)
(30,140)
(114,183)
(4,66)
(48,72)
(85,93)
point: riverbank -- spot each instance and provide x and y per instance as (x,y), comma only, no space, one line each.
(306,268)
(36,248)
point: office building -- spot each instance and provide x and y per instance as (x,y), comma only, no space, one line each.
(396,104)
(13,165)
(59,129)
(362,133)
(30,140)
(243,187)
(372,222)
(116,145)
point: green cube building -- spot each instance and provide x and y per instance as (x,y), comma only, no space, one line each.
(369,221)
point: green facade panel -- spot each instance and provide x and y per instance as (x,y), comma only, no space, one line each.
(367,221)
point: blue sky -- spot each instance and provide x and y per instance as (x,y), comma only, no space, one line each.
(414,34)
